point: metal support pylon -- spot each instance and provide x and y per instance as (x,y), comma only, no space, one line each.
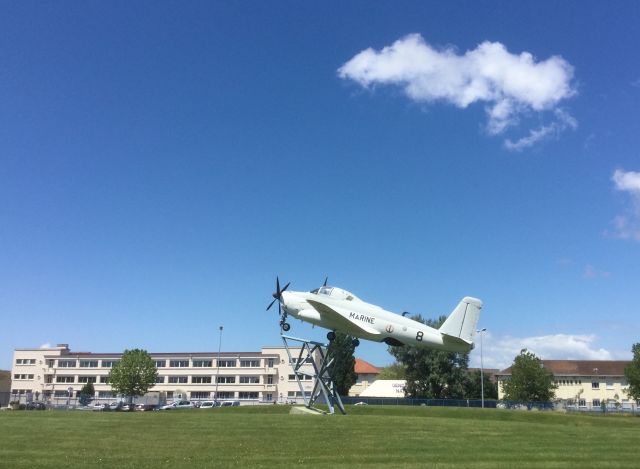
(317,354)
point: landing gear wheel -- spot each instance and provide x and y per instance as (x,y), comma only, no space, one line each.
(286,327)
(356,342)
(331,336)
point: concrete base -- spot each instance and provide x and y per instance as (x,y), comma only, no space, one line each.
(301,410)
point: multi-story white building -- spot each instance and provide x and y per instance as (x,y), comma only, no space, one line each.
(585,384)
(55,373)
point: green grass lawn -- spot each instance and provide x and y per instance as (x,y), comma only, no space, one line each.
(267,436)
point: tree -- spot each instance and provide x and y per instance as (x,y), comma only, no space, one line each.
(86,394)
(632,373)
(473,390)
(529,380)
(134,374)
(395,371)
(432,373)
(343,369)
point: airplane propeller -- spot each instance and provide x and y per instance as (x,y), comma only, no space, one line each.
(325,281)
(277,295)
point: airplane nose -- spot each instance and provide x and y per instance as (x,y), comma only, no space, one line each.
(275,294)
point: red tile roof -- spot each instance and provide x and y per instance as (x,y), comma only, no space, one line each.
(582,367)
(365,368)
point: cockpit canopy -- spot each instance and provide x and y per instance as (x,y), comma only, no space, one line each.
(336,293)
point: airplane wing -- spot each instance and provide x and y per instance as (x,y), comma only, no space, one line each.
(343,321)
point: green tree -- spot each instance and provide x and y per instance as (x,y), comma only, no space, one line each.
(473,390)
(632,373)
(86,394)
(395,371)
(432,373)
(343,368)
(529,380)
(134,374)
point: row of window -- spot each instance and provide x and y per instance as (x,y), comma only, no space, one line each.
(204,363)
(25,361)
(161,379)
(22,377)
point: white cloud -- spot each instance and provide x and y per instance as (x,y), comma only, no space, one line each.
(563,122)
(509,84)
(590,272)
(627,225)
(499,352)
(46,345)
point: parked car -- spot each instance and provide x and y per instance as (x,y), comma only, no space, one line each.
(230,403)
(178,405)
(115,406)
(184,405)
(145,407)
(127,407)
(100,406)
(207,405)
(36,405)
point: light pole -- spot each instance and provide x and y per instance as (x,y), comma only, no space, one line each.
(218,362)
(481,331)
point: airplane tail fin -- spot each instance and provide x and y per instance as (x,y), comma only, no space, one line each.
(462,322)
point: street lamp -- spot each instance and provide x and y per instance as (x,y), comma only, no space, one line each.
(218,360)
(481,367)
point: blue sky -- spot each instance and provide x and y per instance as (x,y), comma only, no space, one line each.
(161,163)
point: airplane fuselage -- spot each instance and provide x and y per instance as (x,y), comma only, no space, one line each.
(342,311)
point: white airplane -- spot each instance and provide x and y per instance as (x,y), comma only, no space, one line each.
(339,310)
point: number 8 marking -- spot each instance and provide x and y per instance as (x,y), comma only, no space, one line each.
(419,336)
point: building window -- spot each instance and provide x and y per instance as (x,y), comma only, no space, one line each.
(88,363)
(169,394)
(269,397)
(582,402)
(200,379)
(298,393)
(249,363)
(269,379)
(104,379)
(65,379)
(109,363)
(60,394)
(86,379)
(179,363)
(105,394)
(202,363)
(302,378)
(595,385)
(595,403)
(270,362)
(66,363)
(160,380)
(227,363)
(200,395)
(226,379)
(178,379)
(226,395)
(161,363)
(25,361)
(247,395)
(249,379)
(22,377)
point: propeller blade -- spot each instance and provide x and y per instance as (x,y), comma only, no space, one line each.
(271,304)
(325,281)
(285,287)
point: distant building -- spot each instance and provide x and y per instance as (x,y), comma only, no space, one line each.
(585,384)
(57,373)
(385,388)
(5,387)
(366,375)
